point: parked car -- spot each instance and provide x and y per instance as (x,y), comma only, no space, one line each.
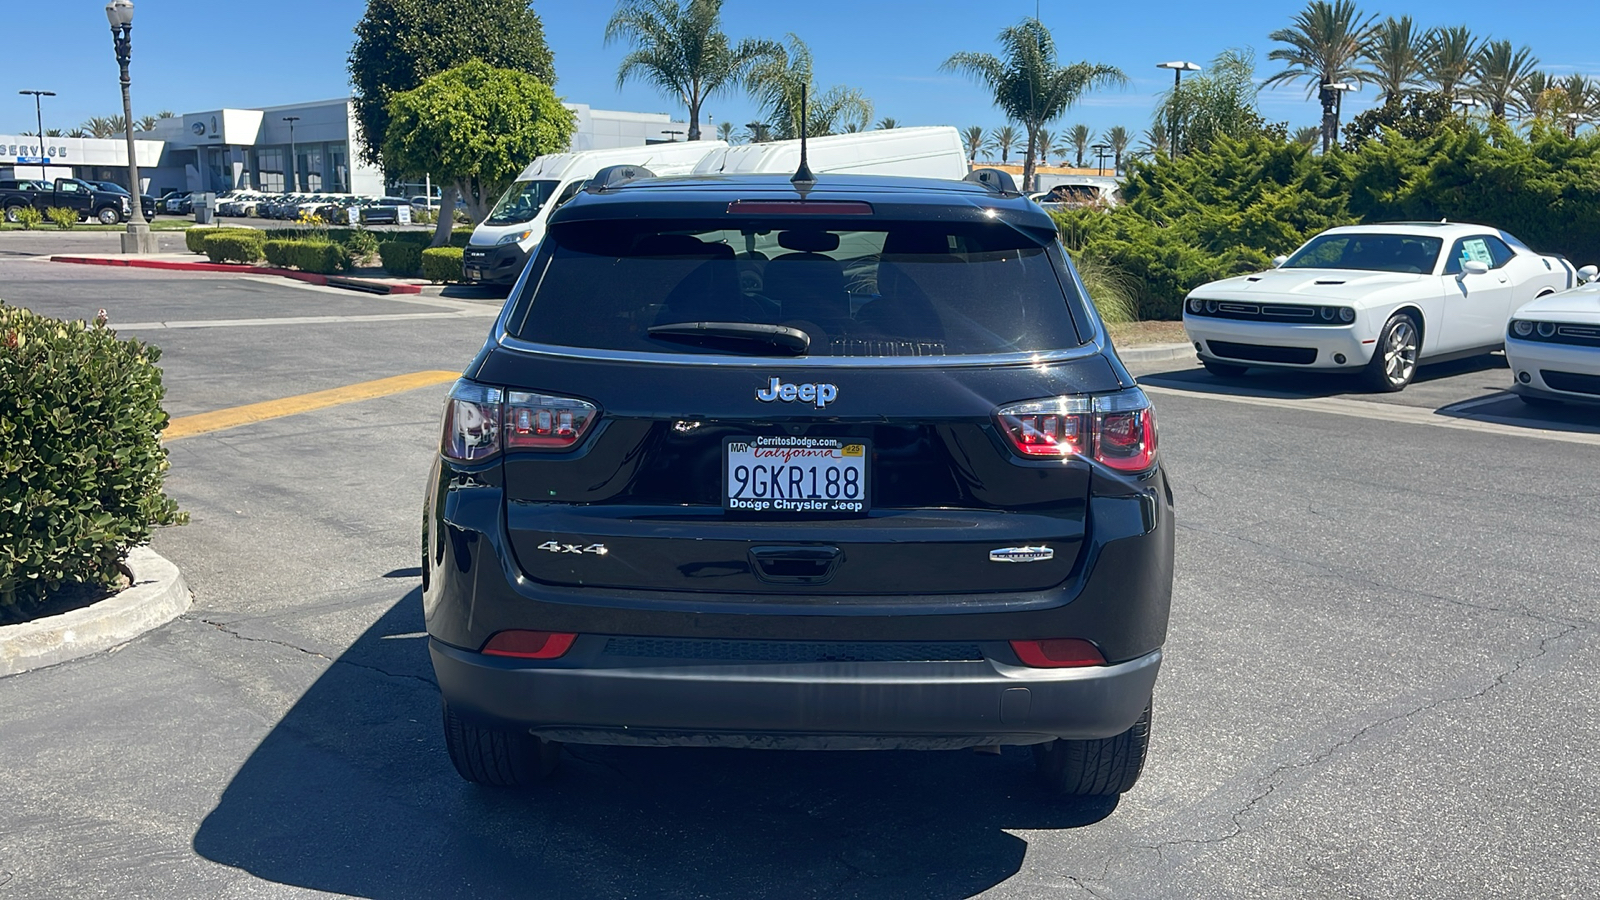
(896,491)
(1553,346)
(107,207)
(147,203)
(1373,299)
(178,204)
(421,203)
(386,211)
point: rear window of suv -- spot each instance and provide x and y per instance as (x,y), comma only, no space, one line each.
(912,289)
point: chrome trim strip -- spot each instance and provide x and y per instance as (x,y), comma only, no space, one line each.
(782,362)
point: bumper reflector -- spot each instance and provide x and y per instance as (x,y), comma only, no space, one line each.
(530,644)
(1058,653)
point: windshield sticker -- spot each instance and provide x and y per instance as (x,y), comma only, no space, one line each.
(1476,249)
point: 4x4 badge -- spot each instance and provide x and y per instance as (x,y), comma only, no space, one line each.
(1021,554)
(819,394)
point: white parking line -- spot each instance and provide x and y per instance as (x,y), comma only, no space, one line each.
(1502,425)
(481,313)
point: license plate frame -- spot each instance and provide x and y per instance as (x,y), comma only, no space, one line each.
(844,454)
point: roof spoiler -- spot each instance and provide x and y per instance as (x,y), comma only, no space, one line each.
(614,176)
(996,180)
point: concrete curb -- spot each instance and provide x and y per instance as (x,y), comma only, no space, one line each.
(1156,353)
(158,595)
(361,284)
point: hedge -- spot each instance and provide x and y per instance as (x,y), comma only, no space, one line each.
(277,253)
(194,238)
(81,461)
(402,259)
(458,238)
(234,246)
(319,257)
(441,264)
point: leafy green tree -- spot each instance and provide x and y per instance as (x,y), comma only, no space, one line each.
(1447,59)
(1413,114)
(780,79)
(1221,101)
(972,137)
(1499,74)
(1078,138)
(681,49)
(474,127)
(1030,85)
(1395,57)
(1327,45)
(400,43)
(1002,140)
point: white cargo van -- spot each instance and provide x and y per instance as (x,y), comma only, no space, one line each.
(500,247)
(932,152)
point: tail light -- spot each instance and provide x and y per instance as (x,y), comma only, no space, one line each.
(1117,430)
(530,644)
(1058,653)
(480,421)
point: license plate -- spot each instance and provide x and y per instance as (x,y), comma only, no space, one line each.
(796,475)
(474,273)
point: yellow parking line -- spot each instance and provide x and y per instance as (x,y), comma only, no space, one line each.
(189,426)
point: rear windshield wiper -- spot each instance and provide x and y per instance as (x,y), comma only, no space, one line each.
(740,337)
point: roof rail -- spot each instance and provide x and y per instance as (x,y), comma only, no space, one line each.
(614,176)
(996,180)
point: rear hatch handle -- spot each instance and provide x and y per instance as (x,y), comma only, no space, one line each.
(795,565)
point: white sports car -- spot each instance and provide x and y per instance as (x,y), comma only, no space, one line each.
(1553,346)
(1374,299)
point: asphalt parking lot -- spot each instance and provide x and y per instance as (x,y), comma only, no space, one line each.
(1379,681)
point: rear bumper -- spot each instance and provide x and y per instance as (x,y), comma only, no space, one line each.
(836,705)
(494,265)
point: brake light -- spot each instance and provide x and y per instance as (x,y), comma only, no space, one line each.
(480,421)
(1058,653)
(1117,430)
(530,644)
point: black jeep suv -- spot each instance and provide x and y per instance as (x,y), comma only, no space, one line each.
(839,465)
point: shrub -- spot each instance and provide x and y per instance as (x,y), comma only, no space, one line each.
(441,264)
(65,219)
(234,246)
(81,461)
(194,238)
(277,253)
(29,218)
(363,245)
(402,259)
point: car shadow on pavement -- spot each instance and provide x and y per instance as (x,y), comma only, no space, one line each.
(494,292)
(1292,385)
(352,793)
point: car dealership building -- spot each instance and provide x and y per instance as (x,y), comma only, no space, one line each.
(302,147)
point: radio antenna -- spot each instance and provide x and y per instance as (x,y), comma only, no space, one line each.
(803,179)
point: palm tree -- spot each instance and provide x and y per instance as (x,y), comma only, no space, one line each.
(1047,139)
(725,132)
(757,132)
(1155,143)
(1447,59)
(78,133)
(1499,72)
(1118,138)
(1396,56)
(681,49)
(1029,84)
(1306,135)
(1002,140)
(972,136)
(145,123)
(1326,46)
(780,79)
(886,123)
(1079,138)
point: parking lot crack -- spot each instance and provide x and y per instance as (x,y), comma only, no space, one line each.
(226,629)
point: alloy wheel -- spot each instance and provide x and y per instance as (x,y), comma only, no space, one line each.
(1400,352)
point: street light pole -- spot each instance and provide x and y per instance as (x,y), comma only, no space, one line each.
(1334,90)
(1178,67)
(38,112)
(138,238)
(294,164)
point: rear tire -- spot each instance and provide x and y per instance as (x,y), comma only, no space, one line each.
(498,757)
(1098,768)
(1223,370)
(1394,359)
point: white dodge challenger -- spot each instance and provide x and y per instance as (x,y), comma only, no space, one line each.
(1373,299)
(1553,346)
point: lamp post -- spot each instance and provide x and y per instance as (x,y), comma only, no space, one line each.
(1334,90)
(1178,67)
(1101,151)
(137,239)
(294,163)
(672,134)
(38,112)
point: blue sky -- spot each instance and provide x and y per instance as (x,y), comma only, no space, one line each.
(192,55)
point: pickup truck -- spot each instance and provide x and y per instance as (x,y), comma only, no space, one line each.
(70,193)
